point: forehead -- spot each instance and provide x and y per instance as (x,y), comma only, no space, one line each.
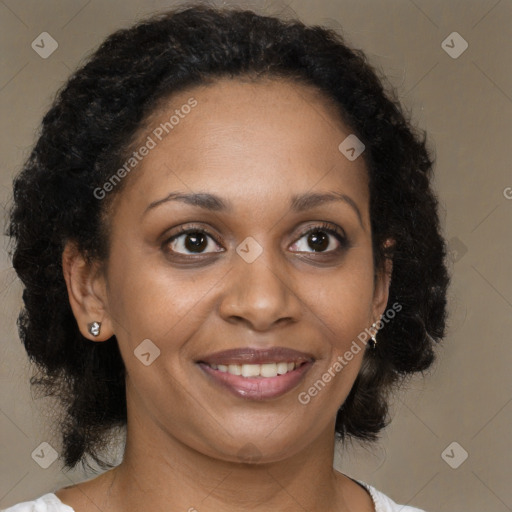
(245,139)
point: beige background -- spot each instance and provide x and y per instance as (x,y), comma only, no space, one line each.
(465,104)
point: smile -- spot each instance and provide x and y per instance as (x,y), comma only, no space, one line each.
(256,381)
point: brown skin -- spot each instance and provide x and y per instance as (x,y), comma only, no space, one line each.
(255,145)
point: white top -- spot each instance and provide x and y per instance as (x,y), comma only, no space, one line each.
(50,503)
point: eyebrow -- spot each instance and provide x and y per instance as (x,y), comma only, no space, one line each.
(299,203)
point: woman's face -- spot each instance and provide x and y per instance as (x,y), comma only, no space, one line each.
(247,276)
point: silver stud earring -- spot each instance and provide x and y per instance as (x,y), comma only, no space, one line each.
(373,341)
(94,328)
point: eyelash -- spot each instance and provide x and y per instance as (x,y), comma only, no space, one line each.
(324,227)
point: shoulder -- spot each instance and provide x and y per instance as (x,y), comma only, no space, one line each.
(385,504)
(46,503)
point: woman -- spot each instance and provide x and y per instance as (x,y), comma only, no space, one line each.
(230,245)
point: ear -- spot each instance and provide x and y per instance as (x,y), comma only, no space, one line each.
(86,286)
(381,289)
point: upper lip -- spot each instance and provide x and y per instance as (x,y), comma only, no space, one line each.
(257,356)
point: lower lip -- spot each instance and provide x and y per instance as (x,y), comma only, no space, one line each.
(258,388)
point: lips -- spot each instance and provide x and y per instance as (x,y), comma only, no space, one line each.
(256,374)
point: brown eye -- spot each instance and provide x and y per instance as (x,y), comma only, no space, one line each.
(321,239)
(191,241)
(318,240)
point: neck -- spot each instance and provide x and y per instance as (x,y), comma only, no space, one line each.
(158,471)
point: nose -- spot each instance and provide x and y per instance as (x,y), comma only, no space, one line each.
(259,294)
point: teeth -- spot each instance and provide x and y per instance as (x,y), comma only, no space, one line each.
(235,369)
(269,369)
(255,370)
(282,368)
(251,370)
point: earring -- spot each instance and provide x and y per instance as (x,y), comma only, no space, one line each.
(94,328)
(373,341)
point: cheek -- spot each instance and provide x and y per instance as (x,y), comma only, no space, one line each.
(150,300)
(341,305)
(342,298)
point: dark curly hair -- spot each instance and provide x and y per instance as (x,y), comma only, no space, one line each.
(87,133)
